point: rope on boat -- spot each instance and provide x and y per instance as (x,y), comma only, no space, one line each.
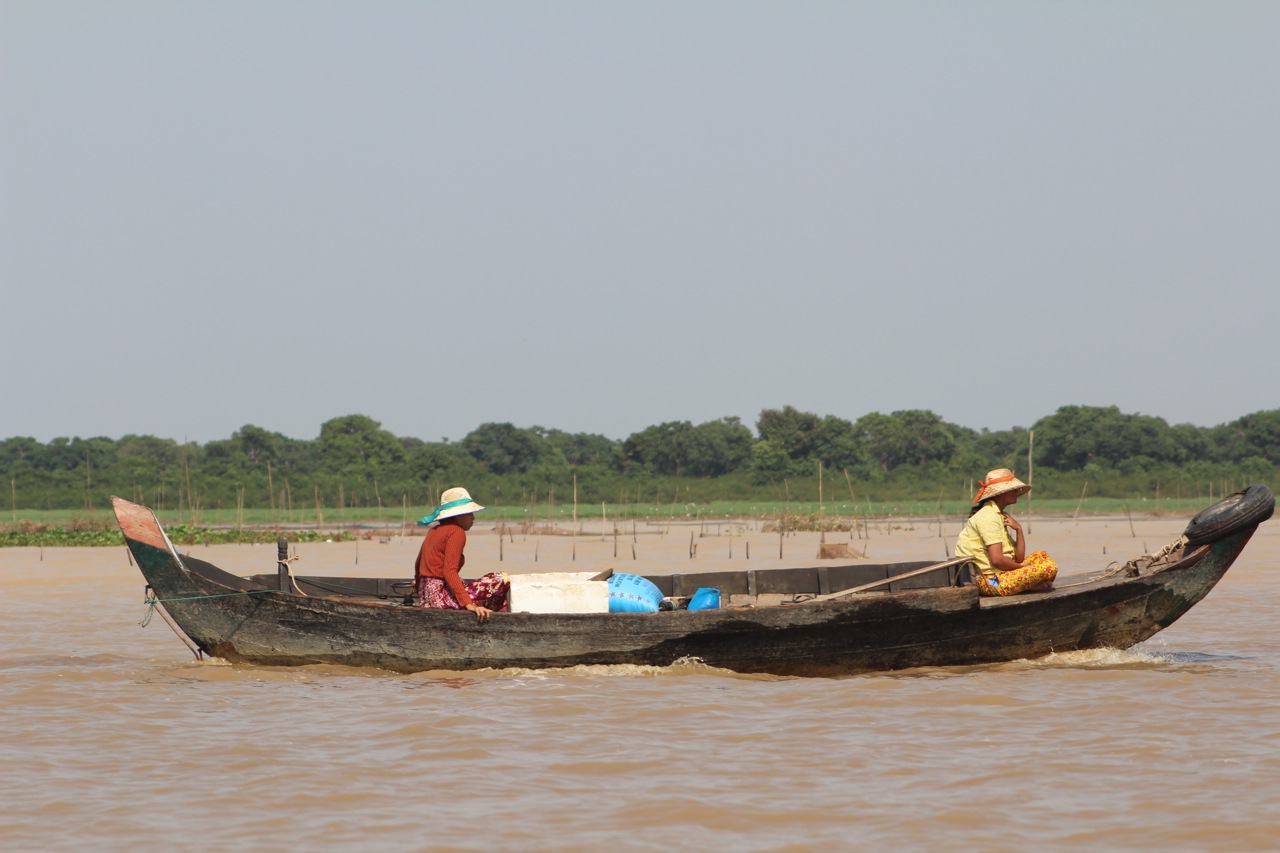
(284,564)
(1135,567)
(152,601)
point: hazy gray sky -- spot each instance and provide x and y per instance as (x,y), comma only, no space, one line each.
(602,216)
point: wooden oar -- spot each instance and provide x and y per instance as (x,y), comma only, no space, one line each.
(936,567)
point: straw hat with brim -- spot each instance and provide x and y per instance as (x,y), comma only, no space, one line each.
(999,482)
(456,501)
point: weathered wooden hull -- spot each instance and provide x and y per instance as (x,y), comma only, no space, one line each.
(243,621)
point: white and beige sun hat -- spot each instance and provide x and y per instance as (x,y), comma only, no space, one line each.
(455,501)
(998,482)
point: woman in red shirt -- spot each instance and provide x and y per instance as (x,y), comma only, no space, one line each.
(436,572)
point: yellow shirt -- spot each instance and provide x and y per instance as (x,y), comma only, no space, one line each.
(985,527)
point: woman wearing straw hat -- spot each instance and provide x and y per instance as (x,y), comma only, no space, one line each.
(436,573)
(1000,565)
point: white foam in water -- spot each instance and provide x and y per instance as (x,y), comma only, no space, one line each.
(1100,658)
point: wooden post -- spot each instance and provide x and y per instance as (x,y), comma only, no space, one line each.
(282,564)
(1031,443)
(820,510)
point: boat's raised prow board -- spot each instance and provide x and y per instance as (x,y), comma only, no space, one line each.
(139,524)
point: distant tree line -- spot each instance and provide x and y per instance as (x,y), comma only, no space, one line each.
(355,462)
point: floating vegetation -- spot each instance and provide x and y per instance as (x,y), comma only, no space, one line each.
(80,533)
(808,523)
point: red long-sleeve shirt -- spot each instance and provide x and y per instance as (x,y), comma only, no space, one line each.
(441,557)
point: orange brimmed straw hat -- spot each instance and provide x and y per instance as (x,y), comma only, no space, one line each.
(998,482)
(456,501)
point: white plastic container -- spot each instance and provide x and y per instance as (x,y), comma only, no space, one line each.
(560,592)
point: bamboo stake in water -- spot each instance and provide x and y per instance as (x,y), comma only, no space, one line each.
(853,498)
(1082,491)
(939,511)
(1031,443)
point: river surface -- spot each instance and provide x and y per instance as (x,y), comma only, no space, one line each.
(112,737)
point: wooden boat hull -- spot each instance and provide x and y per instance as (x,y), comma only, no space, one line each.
(243,621)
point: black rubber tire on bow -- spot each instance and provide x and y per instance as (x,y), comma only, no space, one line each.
(1235,512)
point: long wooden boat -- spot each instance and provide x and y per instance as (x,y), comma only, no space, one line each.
(825,621)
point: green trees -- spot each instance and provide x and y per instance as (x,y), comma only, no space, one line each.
(505,448)
(1075,436)
(910,437)
(357,444)
(678,448)
(1255,435)
(354,460)
(793,442)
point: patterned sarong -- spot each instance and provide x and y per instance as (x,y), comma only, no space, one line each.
(489,591)
(1036,576)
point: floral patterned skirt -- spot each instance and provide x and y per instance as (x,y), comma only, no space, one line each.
(489,591)
(1036,576)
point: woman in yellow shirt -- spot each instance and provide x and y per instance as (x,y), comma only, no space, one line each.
(1000,564)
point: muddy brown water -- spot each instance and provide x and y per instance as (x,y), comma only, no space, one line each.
(113,738)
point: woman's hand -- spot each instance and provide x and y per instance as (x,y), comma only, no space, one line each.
(482,613)
(1020,540)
